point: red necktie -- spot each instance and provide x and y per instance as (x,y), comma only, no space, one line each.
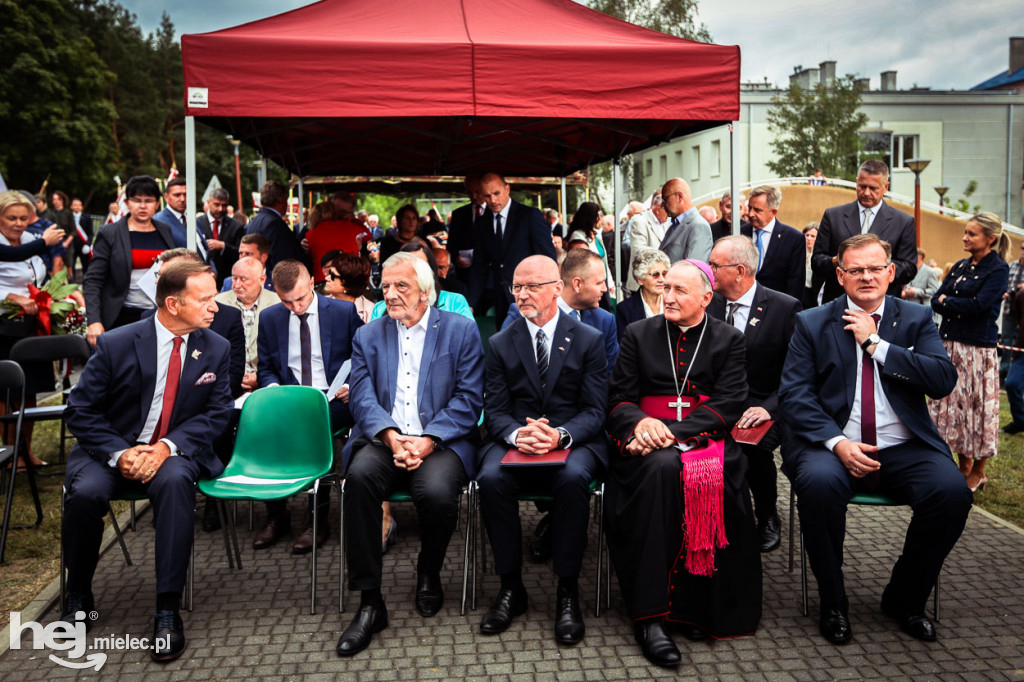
(170,391)
(214,226)
(867,407)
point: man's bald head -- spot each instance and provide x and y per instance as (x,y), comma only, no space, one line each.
(676,197)
(536,286)
(247,279)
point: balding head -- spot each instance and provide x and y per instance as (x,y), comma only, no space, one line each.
(676,197)
(536,286)
(247,280)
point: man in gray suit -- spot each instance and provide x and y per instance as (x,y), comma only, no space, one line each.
(868,214)
(689,235)
(924,285)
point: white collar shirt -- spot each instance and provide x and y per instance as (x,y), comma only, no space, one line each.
(742,312)
(316,352)
(410,357)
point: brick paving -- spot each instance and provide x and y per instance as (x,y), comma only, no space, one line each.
(255,623)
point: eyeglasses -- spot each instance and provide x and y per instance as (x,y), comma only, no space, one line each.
(143,200)
(532,288)
(860,272)
(330,276)
(716,267)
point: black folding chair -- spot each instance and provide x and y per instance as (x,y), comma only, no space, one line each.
(12,383)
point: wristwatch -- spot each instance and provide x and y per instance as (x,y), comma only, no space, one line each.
(873,339)
(564,439)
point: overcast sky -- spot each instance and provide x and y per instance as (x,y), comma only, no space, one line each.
(938,43)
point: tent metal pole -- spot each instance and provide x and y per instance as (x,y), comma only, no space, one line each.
(617,182)
(561,205)
(264,171)
(734,199)
(190,187)
(302,204)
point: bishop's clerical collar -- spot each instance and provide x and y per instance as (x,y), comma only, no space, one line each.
(684,328)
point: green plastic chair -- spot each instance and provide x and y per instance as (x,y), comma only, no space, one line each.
(283,447)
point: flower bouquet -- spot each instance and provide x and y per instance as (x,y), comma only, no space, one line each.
(58,312)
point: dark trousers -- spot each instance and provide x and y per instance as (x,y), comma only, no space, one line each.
(761,473)
(913,474)
(371,478)
(340,418)
(172,492)
(569,485)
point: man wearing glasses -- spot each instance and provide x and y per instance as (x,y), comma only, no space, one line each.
(303,340)
(853,404)
(688,235)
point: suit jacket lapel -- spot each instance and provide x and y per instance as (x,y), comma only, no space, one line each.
(429,345)
(559,346)
(845,344)
(524,347)
(390,367)
(758,312)
(282,345)
(145,351)
(191,368)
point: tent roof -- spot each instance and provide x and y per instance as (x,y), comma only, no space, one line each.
(454,86)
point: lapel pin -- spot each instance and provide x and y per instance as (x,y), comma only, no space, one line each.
(754,321)
(196,353)
(561,348)
(567,339)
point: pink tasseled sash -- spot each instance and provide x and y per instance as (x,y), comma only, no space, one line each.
(703,483)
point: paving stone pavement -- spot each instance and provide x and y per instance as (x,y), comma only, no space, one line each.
(255,623)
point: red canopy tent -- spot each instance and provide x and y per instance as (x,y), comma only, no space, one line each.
(527,87)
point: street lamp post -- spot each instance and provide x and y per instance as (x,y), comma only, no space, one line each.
(238,173)
(941,191)
(917,165)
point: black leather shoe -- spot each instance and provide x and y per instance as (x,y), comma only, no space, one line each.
(304,543)
(211,521)
(78,603)
(509,604)
(275,529)
(541,546)
(1012,428)
(769,532)
(835,626)
(357,636)
(429,595)
(168,636)
(569,626)
(656,644)
(917,625)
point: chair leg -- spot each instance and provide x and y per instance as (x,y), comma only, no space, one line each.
(190,578)
(599,495)
(341,547)
(468,542)
(251,506)
(30,472)
(792,525)
(312,570)
(803,574)
(936,598)
(63,576)
(7,508)
(120,537)
(133,515)
(222,514)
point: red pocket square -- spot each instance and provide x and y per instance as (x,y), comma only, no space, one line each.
(207,378)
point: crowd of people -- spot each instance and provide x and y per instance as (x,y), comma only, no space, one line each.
(719,350)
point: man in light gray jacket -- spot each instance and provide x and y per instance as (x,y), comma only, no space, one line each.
(689,235)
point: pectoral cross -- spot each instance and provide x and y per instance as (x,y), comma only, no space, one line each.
(679,405)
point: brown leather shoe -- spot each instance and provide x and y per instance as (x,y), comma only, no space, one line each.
(275,529)
(304,544)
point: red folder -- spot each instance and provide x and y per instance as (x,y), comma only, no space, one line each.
(751,436)
(517,458)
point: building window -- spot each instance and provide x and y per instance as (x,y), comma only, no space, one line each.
(877,145)
(695,162)
(678,170)
(663,167)
(716,158)
(904,148)
(648,167)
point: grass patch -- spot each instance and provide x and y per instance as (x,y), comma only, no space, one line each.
(1004,493)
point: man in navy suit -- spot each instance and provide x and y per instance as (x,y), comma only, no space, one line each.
(416,393)
(83,235)
(546,389)
(173,215)
(868,214)
(766,318)
(144,412)
(303,340)
(781,249)
(222,233)
(853,403)
(269,223)
(505,234)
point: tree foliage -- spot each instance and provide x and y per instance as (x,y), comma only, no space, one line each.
(675,17)
(818,129)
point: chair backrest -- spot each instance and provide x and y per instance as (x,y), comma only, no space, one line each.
(12,386)
(50,348)
(283,432)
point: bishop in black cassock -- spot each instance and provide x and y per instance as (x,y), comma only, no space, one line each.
(645,509)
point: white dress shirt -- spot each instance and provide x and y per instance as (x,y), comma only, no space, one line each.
(406,411)
(889,428)
(295,346)
(164,345)
(742,313)
(766,240)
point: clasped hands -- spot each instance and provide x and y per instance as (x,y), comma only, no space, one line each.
(857,457)
(650,434)
(141,462)
(537,438)
(408,451)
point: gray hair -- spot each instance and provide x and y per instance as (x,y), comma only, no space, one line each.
(424,275)
(772,195)
(645,258)
(220,194)
(741,250)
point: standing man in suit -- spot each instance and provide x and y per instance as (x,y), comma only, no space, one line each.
(868,214)
(143,413)
(83,235)
(766,318)
(460,229)
(646,230)
(268,222)
(303,340)
(557,229)
(546,389)
(689,235)
(173,215)
(723,226)
(222,233)
(853,404)
(416,393)
(924,285)
(781,249)
(504,235)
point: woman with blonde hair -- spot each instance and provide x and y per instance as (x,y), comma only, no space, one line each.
(969,300)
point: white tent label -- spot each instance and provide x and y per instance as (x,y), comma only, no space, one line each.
(199,98)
